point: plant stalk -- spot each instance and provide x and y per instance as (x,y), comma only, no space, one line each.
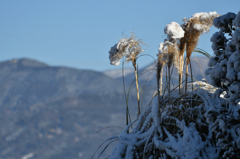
(127,111)
(161,75)
(137,86)
(186,79)
(169,82)
(180,72)
(159,82)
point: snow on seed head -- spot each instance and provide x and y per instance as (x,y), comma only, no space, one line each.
(128,47)
(174,31)
(114,55)
(203,21)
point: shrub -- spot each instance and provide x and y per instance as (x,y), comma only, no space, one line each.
(196,124)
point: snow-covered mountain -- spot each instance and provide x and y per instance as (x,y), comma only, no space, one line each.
(53,112)
(117,73)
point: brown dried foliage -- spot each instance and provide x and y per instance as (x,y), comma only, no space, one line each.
(183,40)
(172,52)
(192,41)
(130,48)
(191,35)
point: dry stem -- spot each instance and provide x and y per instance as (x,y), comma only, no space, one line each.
(186,78)
(181,60)
(137,87)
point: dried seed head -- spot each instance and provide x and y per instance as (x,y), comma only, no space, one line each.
(173,56)
(174,32)
(167,52)
(183,40)
(198,24)
(169,48)
(163,52)
(128,47)
(203,21)
(192,41)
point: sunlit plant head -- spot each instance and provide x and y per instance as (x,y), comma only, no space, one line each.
(129,48)
(168,50)
(198,24)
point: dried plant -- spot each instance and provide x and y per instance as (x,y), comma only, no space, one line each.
(183,126)
(198,24)
(130,48)
(169,50)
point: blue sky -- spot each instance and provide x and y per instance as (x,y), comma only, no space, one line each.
(79,33)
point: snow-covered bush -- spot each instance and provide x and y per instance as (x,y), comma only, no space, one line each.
(225,71)
(203,123)
(225,66)
(180,131)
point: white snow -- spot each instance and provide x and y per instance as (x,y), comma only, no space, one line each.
(163,47)
(114,56)
(117,73)
(28,156)
(174,30)
(201,85)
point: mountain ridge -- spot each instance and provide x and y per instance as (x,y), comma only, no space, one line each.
(36,80)
(54,112)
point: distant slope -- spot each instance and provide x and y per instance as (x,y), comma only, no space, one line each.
(26,82)
(62,129)
(53,112)
(117,73)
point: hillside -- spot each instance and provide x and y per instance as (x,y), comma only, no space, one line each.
(54,112)
(29,82)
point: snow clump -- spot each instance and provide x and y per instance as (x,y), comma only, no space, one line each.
(114,56)
(174,31)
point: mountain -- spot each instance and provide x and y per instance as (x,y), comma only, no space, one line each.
(117,73)
(64,128)
(54,112)
(27,82)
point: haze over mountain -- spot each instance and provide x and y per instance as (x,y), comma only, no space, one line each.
(29,82)
(53,112)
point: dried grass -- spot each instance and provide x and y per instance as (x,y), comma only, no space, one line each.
(164,121)
(191,41)
(168,126)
